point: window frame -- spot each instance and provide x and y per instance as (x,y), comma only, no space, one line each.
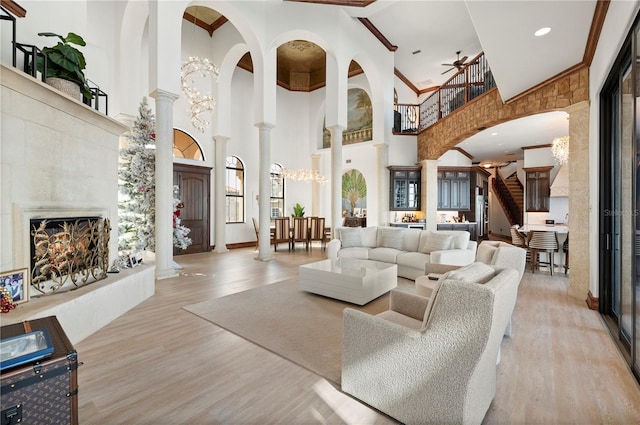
(238,197)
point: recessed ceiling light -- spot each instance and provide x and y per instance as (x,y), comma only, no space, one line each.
(542,31)
(494,134)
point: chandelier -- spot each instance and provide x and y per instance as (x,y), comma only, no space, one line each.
(200,103)
(560,150)
(304,175)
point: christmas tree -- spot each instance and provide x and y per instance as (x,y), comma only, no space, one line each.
(137,184)
(180,232)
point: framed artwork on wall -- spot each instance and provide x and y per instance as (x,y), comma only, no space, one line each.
(17,284)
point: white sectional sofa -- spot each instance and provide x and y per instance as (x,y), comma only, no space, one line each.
(410,249)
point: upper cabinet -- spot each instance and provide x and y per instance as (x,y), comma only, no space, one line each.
(405,188)
(454,190)
(537,189)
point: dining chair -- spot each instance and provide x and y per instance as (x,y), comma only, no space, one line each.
(517,237)
(540,241)
(300,232)
(256,228)
(282,232)
(317,232)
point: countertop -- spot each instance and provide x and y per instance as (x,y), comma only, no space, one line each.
(559,228)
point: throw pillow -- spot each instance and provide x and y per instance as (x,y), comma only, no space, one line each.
(436,242)
(392,238)
(350,237)
(485,253)
(473,273)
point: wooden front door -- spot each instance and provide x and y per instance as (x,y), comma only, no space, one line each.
(195,193)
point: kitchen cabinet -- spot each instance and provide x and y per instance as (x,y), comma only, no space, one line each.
(537,189)
(405,188)
(454,190)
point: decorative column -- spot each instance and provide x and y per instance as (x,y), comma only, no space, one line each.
(315,186)
(164,183)
(382,157)
(220,193)
(429,193)
(579,200)
(264,190)
(336,176)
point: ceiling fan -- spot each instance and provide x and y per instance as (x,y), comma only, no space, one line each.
(457,64)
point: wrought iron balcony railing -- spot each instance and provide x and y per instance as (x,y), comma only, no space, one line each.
(470,82)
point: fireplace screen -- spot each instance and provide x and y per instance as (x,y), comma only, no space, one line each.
(68,252)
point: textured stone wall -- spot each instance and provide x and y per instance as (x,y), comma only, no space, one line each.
(579,200)
(489,110)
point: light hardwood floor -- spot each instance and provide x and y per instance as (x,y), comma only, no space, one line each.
(159,364)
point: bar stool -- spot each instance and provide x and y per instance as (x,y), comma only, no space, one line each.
(542,241)
(517,238)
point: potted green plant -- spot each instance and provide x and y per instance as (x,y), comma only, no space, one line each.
(65,61)
(298,210)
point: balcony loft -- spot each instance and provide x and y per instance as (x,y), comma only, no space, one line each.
(469,83)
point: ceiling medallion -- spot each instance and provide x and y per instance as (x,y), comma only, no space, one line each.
(200,103)
(300,45)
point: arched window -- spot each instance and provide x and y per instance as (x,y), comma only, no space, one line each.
(185,146)
(235,190)
(277,191)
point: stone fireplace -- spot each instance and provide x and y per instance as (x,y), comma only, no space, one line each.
(59,161)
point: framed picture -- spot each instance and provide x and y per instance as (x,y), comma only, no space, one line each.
(363,212)
(17,283)
(133,260)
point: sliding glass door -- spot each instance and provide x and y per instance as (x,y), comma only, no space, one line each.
(619,197)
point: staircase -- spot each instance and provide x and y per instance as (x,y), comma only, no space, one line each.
(515,188)
(509,193)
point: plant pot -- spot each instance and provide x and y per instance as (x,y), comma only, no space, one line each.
(67,87)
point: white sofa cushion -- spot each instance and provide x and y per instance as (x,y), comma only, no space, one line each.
(436,242)
(369,237)
(386,255)
(350,237)
(411,239)
(460,238)
(391,237)
(360,252)
(416,260)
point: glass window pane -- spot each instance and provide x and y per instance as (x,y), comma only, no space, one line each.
(234,190)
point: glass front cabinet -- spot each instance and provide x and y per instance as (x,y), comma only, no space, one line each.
(405,188)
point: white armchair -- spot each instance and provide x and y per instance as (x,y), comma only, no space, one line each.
(430,360)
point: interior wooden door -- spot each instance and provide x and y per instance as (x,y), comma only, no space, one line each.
(195,192)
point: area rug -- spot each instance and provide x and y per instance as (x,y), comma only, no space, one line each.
(301,327)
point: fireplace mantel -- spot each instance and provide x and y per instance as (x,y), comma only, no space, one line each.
(25,84)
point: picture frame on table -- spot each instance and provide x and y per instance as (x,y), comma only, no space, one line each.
(17,284)
(133,260)
(363,212)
